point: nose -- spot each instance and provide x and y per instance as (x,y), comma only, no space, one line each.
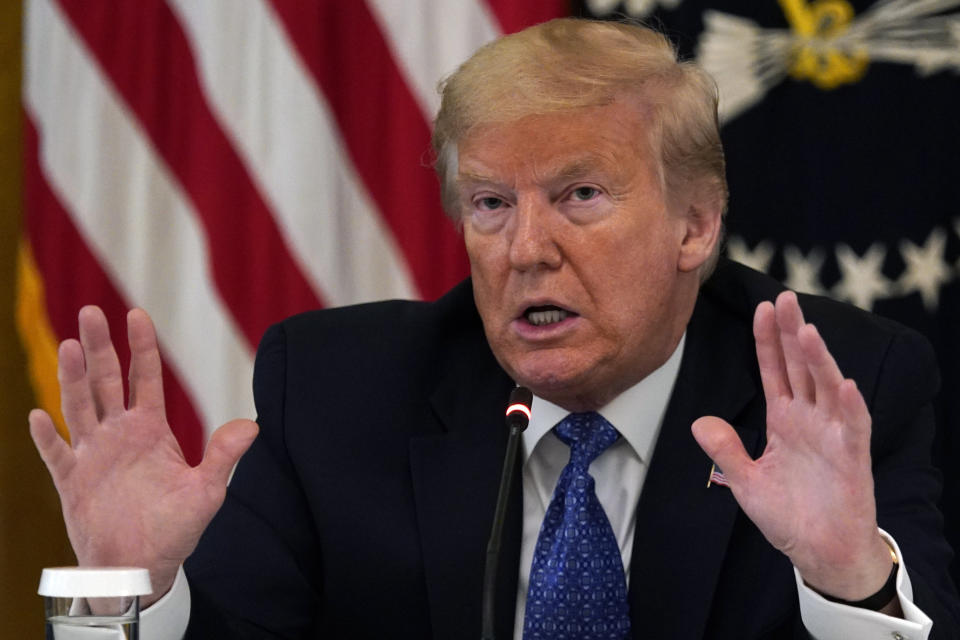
(533,244)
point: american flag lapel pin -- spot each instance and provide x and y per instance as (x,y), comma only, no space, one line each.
(717,477)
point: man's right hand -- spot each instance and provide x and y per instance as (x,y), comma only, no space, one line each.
(129,497)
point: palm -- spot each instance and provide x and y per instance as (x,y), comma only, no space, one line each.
(128,495)
(799,474)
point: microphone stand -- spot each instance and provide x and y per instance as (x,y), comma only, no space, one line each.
(517,419)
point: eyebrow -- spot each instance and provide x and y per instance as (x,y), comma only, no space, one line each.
(470,177)
(576,168)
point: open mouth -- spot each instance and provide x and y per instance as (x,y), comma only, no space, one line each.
(546,315)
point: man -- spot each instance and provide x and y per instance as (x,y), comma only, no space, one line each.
(584,167)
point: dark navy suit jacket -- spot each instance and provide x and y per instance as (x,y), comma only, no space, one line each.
(363,508)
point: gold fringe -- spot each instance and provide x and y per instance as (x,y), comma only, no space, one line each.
(38,337)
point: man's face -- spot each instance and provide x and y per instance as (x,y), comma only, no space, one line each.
(583,278)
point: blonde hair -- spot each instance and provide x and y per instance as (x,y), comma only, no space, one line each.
(571,63)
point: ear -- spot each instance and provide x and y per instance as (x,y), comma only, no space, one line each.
(703,220)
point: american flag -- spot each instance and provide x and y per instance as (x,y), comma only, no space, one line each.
(717,477)
(225,164)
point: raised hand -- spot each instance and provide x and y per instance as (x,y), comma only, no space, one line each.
(811,492)
(129,498)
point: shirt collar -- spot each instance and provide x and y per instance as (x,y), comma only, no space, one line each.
(637,413)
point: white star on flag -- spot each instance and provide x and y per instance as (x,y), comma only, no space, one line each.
(759,258)
(862,281)
(926,268)
(636,8)
(803,272)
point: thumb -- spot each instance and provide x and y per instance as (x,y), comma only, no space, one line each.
(226,445)
(719,441)
(54,450)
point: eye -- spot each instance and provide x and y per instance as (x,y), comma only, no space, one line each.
(586,203)
(488,203)
(488,211)
(582,194)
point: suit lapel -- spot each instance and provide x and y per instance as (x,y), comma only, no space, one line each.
(456,473)
(683,527)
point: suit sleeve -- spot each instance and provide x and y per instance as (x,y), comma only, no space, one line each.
(254,572)
(907,485)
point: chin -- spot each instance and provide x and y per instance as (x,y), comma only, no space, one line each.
(554,380)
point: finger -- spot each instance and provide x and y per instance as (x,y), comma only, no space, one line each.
(103,366)
(823,368)
(226,445)
(146,370)
(719,441)
(54,451)
(856,415)
(790,321)
(76,400)
(773,369)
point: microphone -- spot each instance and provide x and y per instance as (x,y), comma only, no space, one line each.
(518,417)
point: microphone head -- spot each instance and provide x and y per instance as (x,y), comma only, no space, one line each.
(518,409)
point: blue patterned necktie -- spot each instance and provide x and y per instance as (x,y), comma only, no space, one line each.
(577,586)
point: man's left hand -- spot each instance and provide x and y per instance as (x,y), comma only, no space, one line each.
(811,492)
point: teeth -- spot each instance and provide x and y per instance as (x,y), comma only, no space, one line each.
(540,318)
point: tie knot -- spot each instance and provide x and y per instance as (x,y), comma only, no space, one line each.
(587,434)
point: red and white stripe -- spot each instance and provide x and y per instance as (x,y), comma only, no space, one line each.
(225,164)
(717,478)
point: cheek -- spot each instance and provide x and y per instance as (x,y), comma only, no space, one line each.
(487,272)
(480,263)
(487,252)
(474,245)
(639,271)
(653,247)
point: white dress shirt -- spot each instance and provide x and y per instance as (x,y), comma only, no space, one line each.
(619,473)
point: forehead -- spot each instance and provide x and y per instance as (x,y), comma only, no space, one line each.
(571,143)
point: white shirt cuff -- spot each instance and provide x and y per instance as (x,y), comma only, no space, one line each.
(826,620)
(167,618)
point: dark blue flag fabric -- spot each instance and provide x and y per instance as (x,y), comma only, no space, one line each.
(841,122)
